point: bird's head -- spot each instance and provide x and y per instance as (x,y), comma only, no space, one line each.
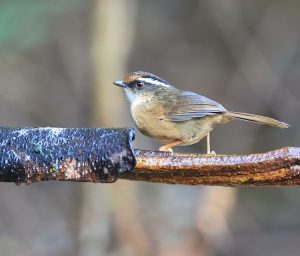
(142,84)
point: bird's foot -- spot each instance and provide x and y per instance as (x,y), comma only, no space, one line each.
(166,149)
(211,153)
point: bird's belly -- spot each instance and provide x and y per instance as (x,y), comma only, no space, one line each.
(154,125)
(193,131)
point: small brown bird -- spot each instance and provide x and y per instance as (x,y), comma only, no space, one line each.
(175,117)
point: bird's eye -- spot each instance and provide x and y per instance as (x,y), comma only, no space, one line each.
(139,84)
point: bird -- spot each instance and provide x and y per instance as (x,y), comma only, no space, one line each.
(175,117)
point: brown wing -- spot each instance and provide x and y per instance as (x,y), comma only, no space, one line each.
(190,105)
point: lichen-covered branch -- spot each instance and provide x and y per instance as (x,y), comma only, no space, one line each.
(70,154)
(278,167)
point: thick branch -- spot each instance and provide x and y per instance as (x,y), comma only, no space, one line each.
(278,167)
(70,154)
(103,155)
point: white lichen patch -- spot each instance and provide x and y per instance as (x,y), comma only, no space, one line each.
(52,130)
(27,157)
(70,169)
(106,134)
(118,158)
(15,155)
(296,167)
(21,132)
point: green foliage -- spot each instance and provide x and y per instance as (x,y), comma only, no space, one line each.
(24,23)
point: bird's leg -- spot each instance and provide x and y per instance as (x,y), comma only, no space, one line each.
(169,146)
(208,145)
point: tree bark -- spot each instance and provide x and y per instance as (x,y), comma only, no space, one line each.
(277,167)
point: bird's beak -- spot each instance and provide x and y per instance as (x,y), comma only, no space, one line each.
(120,83)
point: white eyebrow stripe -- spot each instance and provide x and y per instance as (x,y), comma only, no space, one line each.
(152,81)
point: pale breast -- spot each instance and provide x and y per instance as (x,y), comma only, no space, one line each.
(149,119)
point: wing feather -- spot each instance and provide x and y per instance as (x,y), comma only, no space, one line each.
(190,105)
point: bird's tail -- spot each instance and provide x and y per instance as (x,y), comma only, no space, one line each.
(257,119)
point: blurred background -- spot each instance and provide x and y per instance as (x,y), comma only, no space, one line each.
(57,62)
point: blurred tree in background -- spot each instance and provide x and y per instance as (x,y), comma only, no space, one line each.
(58,61)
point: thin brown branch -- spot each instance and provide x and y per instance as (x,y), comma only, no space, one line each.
(278,167)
